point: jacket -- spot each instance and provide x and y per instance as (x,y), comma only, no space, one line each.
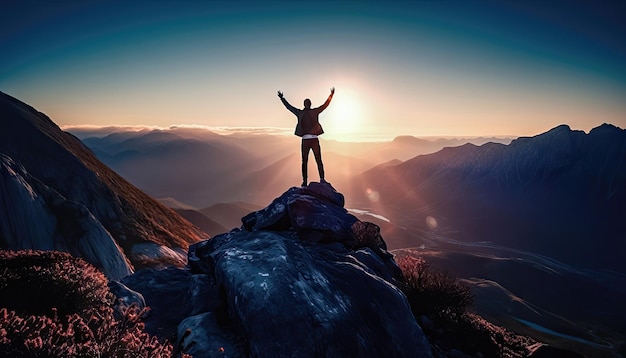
(308,119)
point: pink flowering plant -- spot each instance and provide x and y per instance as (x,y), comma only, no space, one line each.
(56,305)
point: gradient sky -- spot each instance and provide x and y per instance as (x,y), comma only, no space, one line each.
(422,68)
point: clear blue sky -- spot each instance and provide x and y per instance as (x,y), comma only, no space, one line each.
(420,67)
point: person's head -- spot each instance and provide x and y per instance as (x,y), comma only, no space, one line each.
(307,103)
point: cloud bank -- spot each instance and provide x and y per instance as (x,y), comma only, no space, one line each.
(84,131)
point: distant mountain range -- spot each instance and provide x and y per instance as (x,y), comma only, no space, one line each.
(191,162)
(551,194)
(561,194)
(166,164)
(523,194)
(57,195)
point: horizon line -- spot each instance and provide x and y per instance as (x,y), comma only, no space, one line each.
(282,131)
(263,130)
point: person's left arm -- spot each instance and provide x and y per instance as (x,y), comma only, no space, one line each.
(323,107)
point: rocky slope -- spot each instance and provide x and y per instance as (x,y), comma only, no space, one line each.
(36,216)
(57,195)
(298,279)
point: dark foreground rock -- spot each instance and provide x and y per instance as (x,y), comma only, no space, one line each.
(296,280)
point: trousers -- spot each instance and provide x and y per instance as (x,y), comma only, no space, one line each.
(307,145)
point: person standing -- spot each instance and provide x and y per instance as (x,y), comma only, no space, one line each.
(309,128)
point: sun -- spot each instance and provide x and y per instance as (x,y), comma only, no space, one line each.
(344,116)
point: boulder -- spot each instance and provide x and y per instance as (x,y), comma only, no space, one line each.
(291,297)
(172,294)
(315,212)
(125,296)
(301,278)
(202,336)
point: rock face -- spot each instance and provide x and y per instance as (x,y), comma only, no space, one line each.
(295,281)
(55,194)
(36,216)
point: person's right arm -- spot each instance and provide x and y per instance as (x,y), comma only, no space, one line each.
(291,108)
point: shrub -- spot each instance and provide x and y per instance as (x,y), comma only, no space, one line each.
(34,282)
(55,305)
(429,291)
(367,234)
(444,301)
(471,334)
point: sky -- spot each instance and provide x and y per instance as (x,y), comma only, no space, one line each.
(422,68)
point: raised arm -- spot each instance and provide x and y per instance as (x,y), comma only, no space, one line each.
(291,108)
(330,97)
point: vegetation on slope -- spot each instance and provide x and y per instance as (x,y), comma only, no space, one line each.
(56,305)
(441,303)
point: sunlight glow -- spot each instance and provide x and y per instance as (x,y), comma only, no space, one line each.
(344,116)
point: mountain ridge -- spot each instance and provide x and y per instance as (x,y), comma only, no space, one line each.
(536,193)
(62,162)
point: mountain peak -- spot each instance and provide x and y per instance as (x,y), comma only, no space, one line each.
(562,130)
(606,128)
(406,139)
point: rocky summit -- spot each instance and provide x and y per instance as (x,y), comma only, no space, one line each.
(300,278)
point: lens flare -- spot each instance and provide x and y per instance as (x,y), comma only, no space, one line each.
(372,194)
(431,222)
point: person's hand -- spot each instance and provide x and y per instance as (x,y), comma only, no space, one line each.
(280,94)
(332,90)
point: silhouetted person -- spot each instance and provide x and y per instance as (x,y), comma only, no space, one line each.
(309,128)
